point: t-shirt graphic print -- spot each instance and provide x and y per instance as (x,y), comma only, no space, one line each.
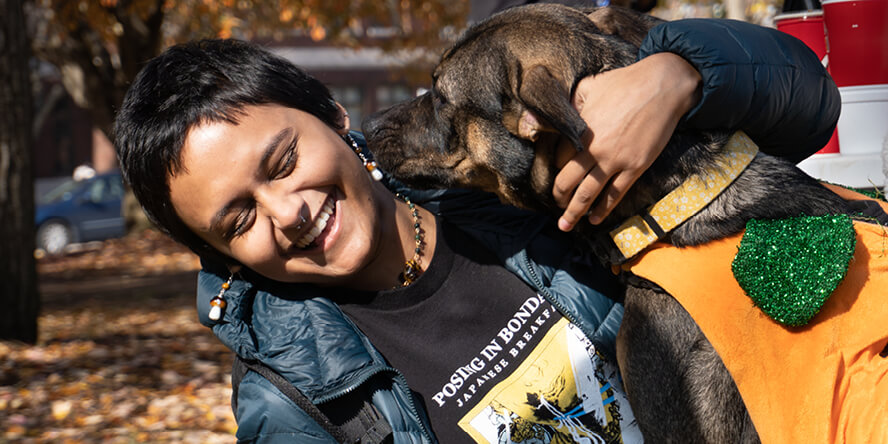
(562,392)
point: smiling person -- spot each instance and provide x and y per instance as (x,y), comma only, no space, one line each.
(360,310)
(339,229)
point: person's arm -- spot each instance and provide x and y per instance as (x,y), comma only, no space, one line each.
(741,76)
(760,80)
(266,416)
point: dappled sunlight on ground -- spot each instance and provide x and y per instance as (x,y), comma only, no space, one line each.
(121,356)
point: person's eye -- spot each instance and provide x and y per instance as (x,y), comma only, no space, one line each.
(242,222)
(286,164)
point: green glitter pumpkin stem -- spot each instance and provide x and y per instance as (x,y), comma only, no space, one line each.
(789,267)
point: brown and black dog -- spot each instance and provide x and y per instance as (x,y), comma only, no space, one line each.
(500,100)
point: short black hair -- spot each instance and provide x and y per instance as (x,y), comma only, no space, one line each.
(191,84)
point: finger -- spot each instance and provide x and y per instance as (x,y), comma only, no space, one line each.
(572,172)
(611,196)
(582,199)
(570,178)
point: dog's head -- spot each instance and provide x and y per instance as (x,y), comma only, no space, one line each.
(501,98)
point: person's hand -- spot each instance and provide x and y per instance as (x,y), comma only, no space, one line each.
(631,112)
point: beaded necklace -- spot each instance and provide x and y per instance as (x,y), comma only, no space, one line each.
(412,268)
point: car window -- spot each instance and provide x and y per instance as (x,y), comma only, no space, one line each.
(115,188)
(99,189)
(96,191)
(65,191)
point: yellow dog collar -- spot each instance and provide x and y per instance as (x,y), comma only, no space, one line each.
(640,231)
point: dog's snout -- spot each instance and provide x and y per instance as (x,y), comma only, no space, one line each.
(372,124)
(386,132)
(388,122)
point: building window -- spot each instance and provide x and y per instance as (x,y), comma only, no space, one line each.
(388,95)
(351,98)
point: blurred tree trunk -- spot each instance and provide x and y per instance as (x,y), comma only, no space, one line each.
(19,299)
(735,9)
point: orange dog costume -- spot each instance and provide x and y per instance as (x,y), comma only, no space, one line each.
(823,382)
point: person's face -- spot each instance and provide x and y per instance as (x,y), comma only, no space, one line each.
(281,193)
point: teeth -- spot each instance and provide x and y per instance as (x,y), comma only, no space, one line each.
(319,225)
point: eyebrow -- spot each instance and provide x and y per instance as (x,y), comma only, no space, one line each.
(270,149)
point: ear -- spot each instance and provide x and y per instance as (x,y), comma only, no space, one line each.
(529,126)
(547,96)
(623,23)
(343,120)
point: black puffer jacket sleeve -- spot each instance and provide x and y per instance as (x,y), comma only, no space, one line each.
(755,79)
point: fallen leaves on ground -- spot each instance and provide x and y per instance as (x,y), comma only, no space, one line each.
(125,363)
(147,253)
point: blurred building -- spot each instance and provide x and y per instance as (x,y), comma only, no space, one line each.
(363,80)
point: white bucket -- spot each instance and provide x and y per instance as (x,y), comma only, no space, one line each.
(863,124)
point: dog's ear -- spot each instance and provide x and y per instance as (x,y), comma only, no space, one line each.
(623,23)
(548,97)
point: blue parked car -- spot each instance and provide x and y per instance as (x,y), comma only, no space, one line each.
(80,211)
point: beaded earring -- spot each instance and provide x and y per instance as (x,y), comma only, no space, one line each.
(217,304)
(369,164)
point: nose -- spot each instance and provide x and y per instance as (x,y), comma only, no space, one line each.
(284,207)
(373,125)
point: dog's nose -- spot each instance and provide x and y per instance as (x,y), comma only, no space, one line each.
(371,124)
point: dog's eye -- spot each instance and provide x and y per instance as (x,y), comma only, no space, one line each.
(438,100)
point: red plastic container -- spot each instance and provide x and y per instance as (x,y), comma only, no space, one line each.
(832,147)
(808,27)
(857,41)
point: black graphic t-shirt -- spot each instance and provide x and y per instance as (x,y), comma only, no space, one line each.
(489,357)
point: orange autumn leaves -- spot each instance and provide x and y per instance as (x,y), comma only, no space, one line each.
(418,23)
(121,356)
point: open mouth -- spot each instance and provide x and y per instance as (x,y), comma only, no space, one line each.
(320,226)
